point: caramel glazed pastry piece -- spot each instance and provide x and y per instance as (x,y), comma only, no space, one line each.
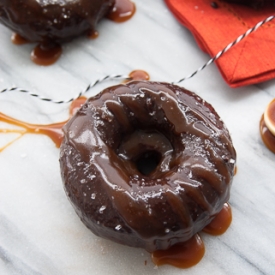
(113,139)
(53,20)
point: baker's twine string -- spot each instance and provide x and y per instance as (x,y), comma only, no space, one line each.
(124,77)
(91,85)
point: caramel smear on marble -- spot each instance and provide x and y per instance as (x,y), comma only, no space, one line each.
(53,131)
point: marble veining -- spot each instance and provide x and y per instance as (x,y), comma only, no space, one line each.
(39,231)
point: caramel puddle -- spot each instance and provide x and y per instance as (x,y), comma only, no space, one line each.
(182,255)
(46,55)
(189,253)
(122,11)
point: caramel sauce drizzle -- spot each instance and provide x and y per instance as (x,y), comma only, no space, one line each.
(53,131)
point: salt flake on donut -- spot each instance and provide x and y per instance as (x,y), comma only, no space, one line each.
(147,164)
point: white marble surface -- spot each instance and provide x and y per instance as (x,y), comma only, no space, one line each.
(39,231)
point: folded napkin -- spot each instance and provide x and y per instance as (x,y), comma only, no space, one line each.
(215,24)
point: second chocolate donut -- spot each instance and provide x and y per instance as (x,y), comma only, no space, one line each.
(53,21)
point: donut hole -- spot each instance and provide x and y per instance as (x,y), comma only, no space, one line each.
(146,152)
(148,161)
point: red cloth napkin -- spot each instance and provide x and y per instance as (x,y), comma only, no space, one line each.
(248,62)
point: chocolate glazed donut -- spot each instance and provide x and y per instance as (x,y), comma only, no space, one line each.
(53,20)
(147,164)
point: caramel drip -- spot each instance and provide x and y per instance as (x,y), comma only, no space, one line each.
(93,34)
(189,253)
(122,11)
(267,137)
(76,104)
(46,55)
(182,255)
(139,75)
(53,131)
(17,39)
(221,222)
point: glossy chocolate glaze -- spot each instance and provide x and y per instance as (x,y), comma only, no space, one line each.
(53,20)
(104,142)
